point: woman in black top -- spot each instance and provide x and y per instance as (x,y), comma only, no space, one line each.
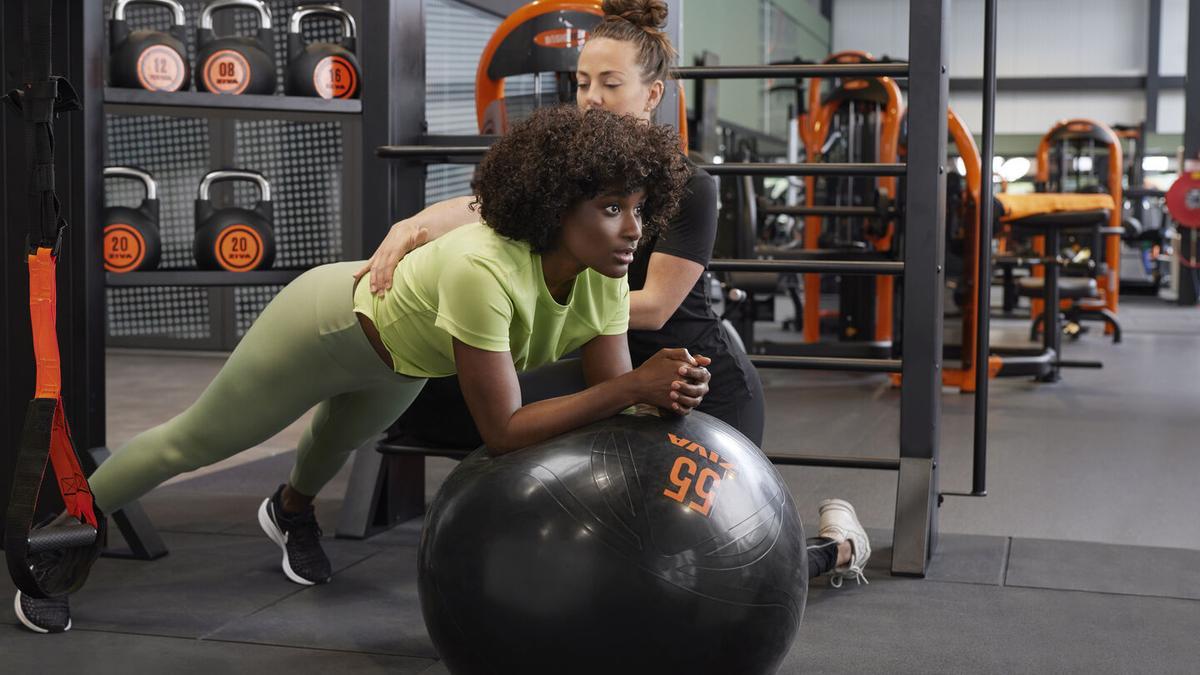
(735,394)
(623,68)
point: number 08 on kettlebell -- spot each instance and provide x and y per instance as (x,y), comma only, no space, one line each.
(235,64)
(148,59)
(234,239)
(325,69)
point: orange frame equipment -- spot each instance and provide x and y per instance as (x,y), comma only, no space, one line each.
(814,127)
(1085,129)
(544,36)
(964,378)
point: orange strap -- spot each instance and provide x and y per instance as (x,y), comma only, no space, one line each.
(43,308)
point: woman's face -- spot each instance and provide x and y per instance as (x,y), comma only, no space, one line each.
(602,233)
(609,77)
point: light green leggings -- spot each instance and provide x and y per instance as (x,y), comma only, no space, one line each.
(306,349)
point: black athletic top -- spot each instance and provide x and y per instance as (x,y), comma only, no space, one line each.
(694,325)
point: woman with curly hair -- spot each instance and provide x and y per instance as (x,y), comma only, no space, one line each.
(565,197)
(623,67)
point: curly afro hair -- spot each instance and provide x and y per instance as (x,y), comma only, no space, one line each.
(561,156)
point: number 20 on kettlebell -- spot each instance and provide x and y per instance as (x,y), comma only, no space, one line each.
(148,59)
(234,239)
(235,64)
(325,69)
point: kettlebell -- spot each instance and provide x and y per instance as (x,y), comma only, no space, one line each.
(235,64)
(234,239)
(325,69)
(148,59)
(131,238)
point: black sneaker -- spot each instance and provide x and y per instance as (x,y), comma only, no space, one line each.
(43,616)
(299,537)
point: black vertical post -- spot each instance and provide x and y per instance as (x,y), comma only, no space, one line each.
(1188,293)
(923,287)
(983,305)
(668,108)
(1153,85)
(392,53)
(16,347)
(79,46)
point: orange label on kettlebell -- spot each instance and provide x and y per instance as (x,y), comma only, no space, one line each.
(239,248)
(335,77)
(160,68)
(124,248)
(226,72)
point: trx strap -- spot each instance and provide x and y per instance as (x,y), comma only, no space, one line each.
(53,559)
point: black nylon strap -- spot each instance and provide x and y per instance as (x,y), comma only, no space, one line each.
(75,546)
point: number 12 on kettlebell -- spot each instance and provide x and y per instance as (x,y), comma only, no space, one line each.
(234,239)
(148,59)
(325,69)
(235,64)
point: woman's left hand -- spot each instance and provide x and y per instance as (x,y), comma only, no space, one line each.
(689,392)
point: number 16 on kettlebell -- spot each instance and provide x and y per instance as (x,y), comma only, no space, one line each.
(234,239)
(325,69)
(235,64)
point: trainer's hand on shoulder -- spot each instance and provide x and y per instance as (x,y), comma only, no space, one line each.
(399,242)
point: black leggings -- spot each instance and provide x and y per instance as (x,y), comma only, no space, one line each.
(439,417)
(822,556)
(745,411)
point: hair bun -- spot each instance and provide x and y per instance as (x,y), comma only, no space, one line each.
(645,14)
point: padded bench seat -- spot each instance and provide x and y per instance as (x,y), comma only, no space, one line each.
(1068,287)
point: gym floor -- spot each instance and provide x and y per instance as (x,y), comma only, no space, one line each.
(1085,557)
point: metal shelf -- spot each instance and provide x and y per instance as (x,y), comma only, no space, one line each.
(201,278)
(249,102)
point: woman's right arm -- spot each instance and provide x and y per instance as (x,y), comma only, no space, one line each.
(413,232)
(493,395)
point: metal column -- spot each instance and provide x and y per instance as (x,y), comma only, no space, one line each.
(393,113)
(1189,294)
(1153,80)
(915,532)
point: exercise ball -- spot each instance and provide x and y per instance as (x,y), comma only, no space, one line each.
(638,544)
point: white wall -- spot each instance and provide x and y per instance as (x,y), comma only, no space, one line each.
(1038,38)
(1172,47)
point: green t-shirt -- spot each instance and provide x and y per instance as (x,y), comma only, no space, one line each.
(490,293)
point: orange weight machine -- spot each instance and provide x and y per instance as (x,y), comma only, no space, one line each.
(849,119)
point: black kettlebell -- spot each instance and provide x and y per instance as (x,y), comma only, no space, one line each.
(325,69)
(148,59)
(131,239)
(235,64)
(234,239)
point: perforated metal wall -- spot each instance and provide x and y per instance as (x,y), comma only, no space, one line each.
(180,313)
(175,150)
(303,161)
